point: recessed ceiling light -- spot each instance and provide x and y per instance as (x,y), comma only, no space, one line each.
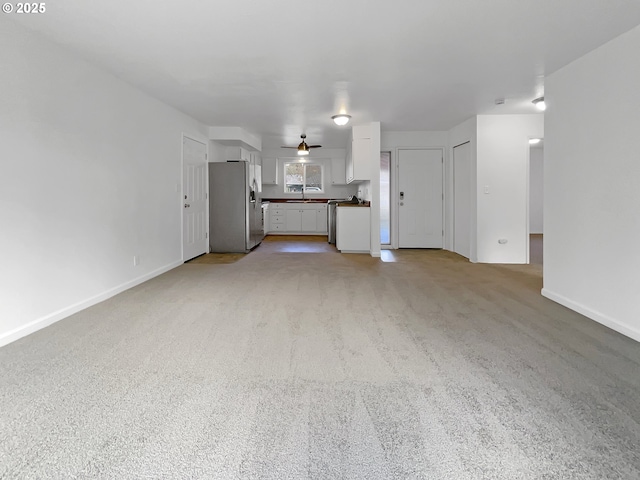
(341,119)
(533,141)
(539,103)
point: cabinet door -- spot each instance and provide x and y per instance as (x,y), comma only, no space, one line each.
(238,153)
(308,220)
(361,158)
(293,221)
(353,229)
(338,171)
(349,164)
(321,219)
(269,171)
(279,208)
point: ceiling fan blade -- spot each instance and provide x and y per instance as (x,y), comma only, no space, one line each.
(314,146)
(286,146)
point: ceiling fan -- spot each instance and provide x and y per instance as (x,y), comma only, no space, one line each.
(303,148)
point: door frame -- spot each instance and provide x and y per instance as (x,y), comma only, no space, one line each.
(180,187)
(453,198)
(395,188)
(392,174)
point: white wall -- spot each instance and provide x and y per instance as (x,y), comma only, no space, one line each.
(592,185)
(390,141)
(322,156)
(503,170)
(90,176)
(536,189)
(217,152)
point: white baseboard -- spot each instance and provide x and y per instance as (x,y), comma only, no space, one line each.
(40,323)
(593,315)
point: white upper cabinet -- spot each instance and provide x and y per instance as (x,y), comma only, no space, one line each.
(358,159)
(269,171)
(338,171)
(238,153)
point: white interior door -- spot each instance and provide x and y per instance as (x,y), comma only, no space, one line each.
(420,198)
(194,217)
(462,199)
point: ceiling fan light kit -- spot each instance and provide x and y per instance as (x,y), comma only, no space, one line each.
(539,103)
(303,148)
(341,119)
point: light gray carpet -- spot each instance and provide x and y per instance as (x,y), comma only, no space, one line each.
(324,366)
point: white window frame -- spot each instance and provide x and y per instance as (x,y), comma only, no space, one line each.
(304,176)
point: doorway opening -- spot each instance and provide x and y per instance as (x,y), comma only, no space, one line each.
(462,199)
(536,200)
(385,199)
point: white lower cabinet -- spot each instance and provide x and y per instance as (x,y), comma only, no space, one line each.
(298,218)
(321,218)
(293,221)
(308,217)
(277,217)
(353,229)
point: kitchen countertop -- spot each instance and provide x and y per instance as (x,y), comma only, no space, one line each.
(316,200)
(296,200)
(346,204)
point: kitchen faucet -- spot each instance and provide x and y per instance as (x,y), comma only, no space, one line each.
(302,190)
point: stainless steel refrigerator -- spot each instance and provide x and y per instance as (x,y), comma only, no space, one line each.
(235,206)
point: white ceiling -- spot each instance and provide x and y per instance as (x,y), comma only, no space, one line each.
(282,67)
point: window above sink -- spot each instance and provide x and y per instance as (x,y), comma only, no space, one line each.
(303,178)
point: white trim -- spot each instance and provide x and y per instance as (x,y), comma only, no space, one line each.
(34,326)
(593,315)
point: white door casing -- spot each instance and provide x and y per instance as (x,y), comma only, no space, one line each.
(194,199)
(420,198)
(462,199)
